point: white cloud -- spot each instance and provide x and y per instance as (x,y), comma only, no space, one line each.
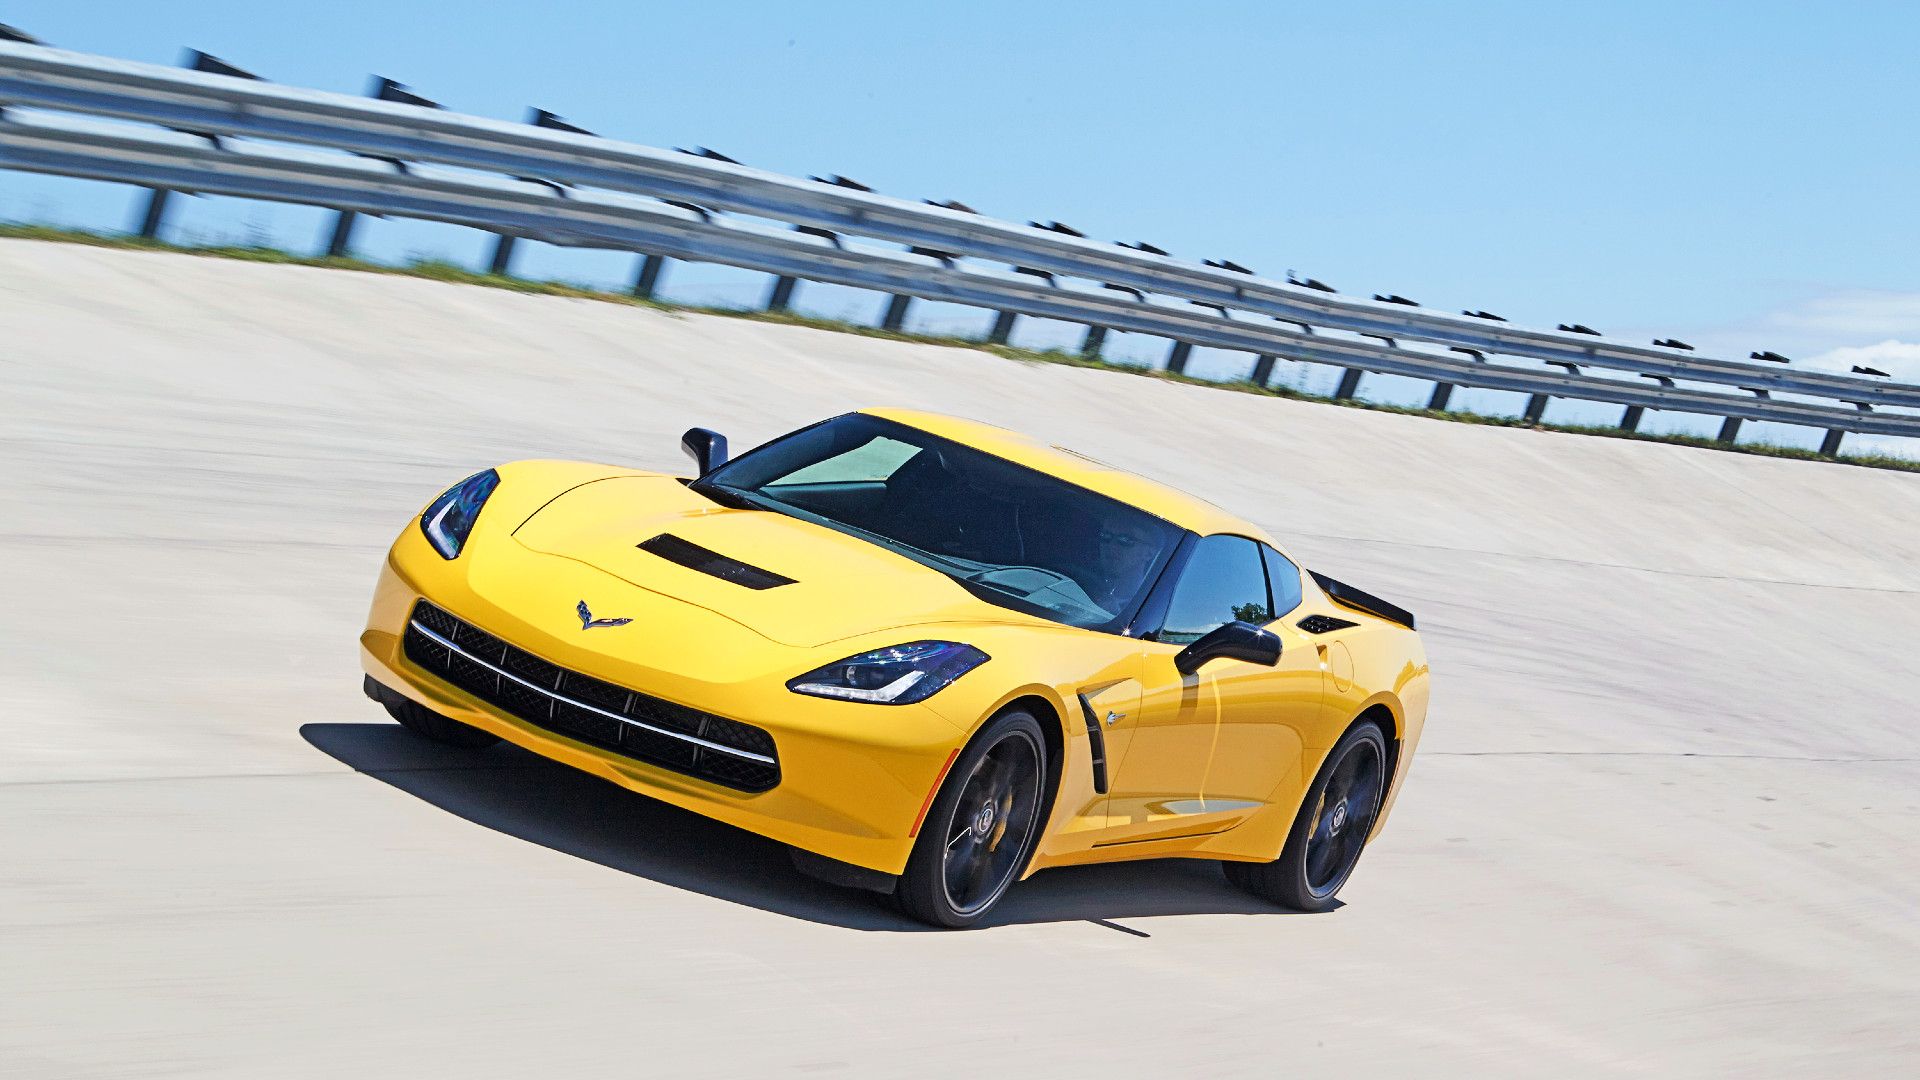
(1900,359)
(1854,314)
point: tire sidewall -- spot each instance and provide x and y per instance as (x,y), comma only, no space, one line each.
(921,891)
(1291,867)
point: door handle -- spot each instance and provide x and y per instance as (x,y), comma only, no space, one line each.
(1114,717)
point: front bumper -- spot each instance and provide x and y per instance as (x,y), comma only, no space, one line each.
(851,778)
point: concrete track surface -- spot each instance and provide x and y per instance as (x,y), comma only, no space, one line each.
(1666,820)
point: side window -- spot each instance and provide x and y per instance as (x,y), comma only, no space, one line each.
(1283,580)
(1222,581)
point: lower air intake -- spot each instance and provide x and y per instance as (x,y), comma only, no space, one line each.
(636,725)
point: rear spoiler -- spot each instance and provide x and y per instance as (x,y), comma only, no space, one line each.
(1363,601)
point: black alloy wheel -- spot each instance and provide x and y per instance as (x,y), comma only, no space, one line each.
(980,830)
(1331,829)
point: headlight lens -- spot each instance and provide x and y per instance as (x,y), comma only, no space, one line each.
(449,519)
(900,675)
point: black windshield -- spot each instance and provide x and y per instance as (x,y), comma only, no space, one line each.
(1012,535)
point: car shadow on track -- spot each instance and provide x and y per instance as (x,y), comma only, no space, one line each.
(523,795)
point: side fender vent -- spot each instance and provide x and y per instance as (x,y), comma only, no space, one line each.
(1098,742)
(694,557)
(1323,624)
(1363,601)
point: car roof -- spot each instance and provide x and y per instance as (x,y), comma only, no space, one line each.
(1171,504)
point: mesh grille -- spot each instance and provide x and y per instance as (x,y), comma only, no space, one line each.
(1323,624)
(584,715)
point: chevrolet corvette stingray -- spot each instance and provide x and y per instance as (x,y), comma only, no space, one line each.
(929,655)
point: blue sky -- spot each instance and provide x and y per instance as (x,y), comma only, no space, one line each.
(1741,176)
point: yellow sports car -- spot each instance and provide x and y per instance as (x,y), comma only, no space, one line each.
(930,655)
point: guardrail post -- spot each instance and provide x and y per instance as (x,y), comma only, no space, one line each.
(1630,420)
(340,243)
(1349,386)
(1002,327)
(342,237)
(896,314)
(780,298)
(1537,404)
(1830,446)
(1095,340)
(502,255)
(1262,369)
(1177,359)
(155,214)
(503,245)
(648,279)
(1443,391)
(1730,427)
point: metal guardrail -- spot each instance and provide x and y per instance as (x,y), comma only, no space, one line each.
(597,208)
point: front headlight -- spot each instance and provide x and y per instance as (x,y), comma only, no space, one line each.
(449,518)
(900,675)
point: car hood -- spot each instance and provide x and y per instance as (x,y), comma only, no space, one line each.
(841,586)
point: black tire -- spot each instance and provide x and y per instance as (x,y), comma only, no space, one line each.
(1329,832)
(428,724)
(981,828)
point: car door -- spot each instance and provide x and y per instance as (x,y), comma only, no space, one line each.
(1266,713)
(1159,756)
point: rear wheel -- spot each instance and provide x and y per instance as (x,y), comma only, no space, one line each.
(1330,830)
(981,827)
(428,724)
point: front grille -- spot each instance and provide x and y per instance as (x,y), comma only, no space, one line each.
(581,707)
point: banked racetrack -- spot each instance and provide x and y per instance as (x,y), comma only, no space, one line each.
(1663,821)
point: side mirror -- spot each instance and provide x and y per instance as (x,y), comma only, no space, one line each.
(1234,641)
(709,448)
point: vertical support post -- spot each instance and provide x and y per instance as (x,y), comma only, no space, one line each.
(1095,340)
(1536,408)
(1349,384)
(1262,370)
(896,314)
(1442,393)
(340,243)
(1630,420)
(155,212)
(649,277)
(502,255)
(342,234)
(1730,429)
(1002,327)
(1177,359)
(501,265)
(1830,446)
(781,296)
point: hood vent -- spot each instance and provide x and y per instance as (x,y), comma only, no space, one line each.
(694,557)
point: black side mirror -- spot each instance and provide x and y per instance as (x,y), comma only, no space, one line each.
(709,448)
(1234,641)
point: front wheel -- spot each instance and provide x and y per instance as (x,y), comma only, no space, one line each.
(981,827)
(1330,830)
